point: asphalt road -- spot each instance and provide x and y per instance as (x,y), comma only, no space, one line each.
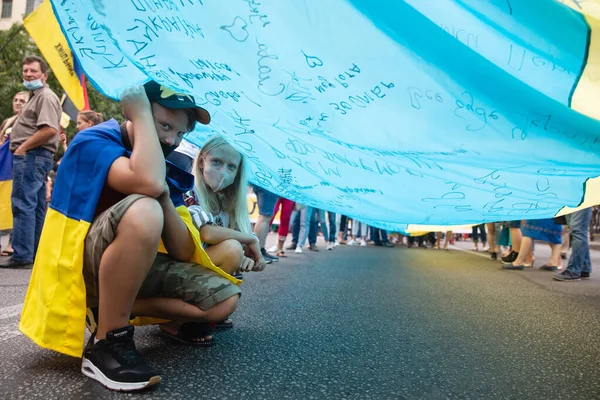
(357,323)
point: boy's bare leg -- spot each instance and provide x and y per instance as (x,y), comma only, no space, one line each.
(125,263)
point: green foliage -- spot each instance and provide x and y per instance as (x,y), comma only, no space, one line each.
(11,80)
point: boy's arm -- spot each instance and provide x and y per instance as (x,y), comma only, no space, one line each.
(144,172)
(175,235)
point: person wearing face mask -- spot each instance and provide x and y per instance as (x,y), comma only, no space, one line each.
(119,242)
(221,215)
(33,142)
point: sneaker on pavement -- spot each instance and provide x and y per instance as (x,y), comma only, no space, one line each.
(336,244)
(510,258)
(292,246)
(330,246)
(313,247)
(547,267)
(585,275)
(567,276)
(268,257)
(363,243)
(298,250)
(388,244)
(272,249)
(352,243)
(513,267)
(116,363)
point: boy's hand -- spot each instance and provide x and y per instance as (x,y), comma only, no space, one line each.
(246,265)
(62,138)
(135,103)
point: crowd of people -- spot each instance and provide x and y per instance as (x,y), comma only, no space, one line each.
(145,228)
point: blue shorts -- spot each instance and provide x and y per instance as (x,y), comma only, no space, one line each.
(266,201)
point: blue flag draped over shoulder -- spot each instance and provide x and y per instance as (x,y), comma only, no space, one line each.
(394,112)
(55,306)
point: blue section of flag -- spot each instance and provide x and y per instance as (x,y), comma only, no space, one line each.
(80,179)
(393,112)
(6,161)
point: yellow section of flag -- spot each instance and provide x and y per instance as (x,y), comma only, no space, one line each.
(48,37)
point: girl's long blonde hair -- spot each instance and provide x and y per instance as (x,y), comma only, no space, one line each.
(232,199)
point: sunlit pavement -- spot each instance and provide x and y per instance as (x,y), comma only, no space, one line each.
(359,323)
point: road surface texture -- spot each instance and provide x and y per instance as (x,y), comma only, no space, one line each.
(358,323)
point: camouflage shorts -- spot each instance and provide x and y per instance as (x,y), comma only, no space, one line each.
(167,277)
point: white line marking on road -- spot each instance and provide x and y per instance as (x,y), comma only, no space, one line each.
(11,311)
(9,332)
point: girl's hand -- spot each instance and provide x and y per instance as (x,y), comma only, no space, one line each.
(246,265)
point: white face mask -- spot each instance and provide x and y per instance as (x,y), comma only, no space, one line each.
(33,85)
(218,178)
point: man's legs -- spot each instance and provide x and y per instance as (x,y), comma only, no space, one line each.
(305,215)
(43,164)
(29,178)
(295,221)
(313,229)
(266,203)
(579,261)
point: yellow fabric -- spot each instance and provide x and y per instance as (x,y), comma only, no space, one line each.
(587,93)
(6,218)
(420,230)
(55,305)
(48,37)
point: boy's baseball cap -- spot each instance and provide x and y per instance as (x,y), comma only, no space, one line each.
(171,99)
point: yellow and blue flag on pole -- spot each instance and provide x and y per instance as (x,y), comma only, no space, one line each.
(6,221)
(45,31)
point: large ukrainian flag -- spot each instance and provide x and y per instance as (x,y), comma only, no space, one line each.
(55,306)
(6,220)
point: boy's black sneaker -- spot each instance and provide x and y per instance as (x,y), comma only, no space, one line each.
(585,275)
(509,259)
(116,363)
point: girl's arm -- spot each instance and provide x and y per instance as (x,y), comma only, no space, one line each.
(213,234)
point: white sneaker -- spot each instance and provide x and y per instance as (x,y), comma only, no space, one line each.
(329,246)
(363,243)
(272,249)
(336,244)
(352,243)
(298,250)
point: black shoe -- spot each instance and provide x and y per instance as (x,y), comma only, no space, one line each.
(312,247)
(388,244)
(585,275)
(567,276)
(378,244)
(10,263)
(268,257)
(292,246)
(494,255)
(116,363)
(509,259)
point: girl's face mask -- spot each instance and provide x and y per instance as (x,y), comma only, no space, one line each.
(221,167)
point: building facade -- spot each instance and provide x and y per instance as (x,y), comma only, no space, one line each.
(13,11)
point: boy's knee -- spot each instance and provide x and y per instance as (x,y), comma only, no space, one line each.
(144,219)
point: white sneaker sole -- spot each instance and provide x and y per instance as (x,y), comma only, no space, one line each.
(91,371)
